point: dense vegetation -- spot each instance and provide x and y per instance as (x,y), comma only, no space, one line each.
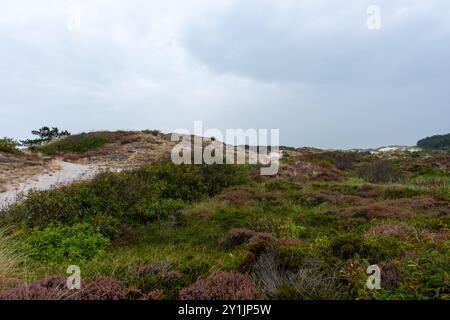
(222,232)
(436,142)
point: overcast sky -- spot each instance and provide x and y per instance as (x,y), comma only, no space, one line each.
(311,68)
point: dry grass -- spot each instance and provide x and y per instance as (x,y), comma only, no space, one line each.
(10,259)
(308,282)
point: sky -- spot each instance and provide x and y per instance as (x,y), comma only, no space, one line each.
(327,74)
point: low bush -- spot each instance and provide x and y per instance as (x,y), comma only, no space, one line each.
(349,246)
(133,197)
(107,225)
(240,236)
(79,242)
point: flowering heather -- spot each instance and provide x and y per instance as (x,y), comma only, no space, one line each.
(103,288)
(222,286)
(51,288)
(377,210)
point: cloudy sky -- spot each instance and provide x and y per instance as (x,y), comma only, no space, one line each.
(311,68)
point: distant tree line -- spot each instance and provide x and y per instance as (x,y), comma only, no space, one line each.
(437,142)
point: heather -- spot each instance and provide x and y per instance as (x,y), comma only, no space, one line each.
(163,231)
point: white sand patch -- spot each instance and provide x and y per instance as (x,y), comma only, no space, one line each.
(68,173)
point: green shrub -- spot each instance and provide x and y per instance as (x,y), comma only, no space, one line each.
(152,132)
(139,196)
(290,229)
(351,245)
(77,143)
(8,145)
(75,243)
(66,205)
(107,225)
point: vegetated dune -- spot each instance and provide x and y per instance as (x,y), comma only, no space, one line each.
(25,170)
(75,158)
(150,229)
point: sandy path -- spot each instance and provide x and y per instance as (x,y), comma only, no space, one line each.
(68,173)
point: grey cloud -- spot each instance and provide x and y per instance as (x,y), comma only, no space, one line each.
(310,68)
(246,40)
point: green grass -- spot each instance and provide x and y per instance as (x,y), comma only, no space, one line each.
(430,180)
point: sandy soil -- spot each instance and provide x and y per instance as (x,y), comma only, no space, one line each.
(67,173)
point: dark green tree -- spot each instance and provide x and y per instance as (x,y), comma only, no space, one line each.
(437,142)
(45,135)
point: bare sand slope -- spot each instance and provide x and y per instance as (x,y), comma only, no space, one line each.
(67,173)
